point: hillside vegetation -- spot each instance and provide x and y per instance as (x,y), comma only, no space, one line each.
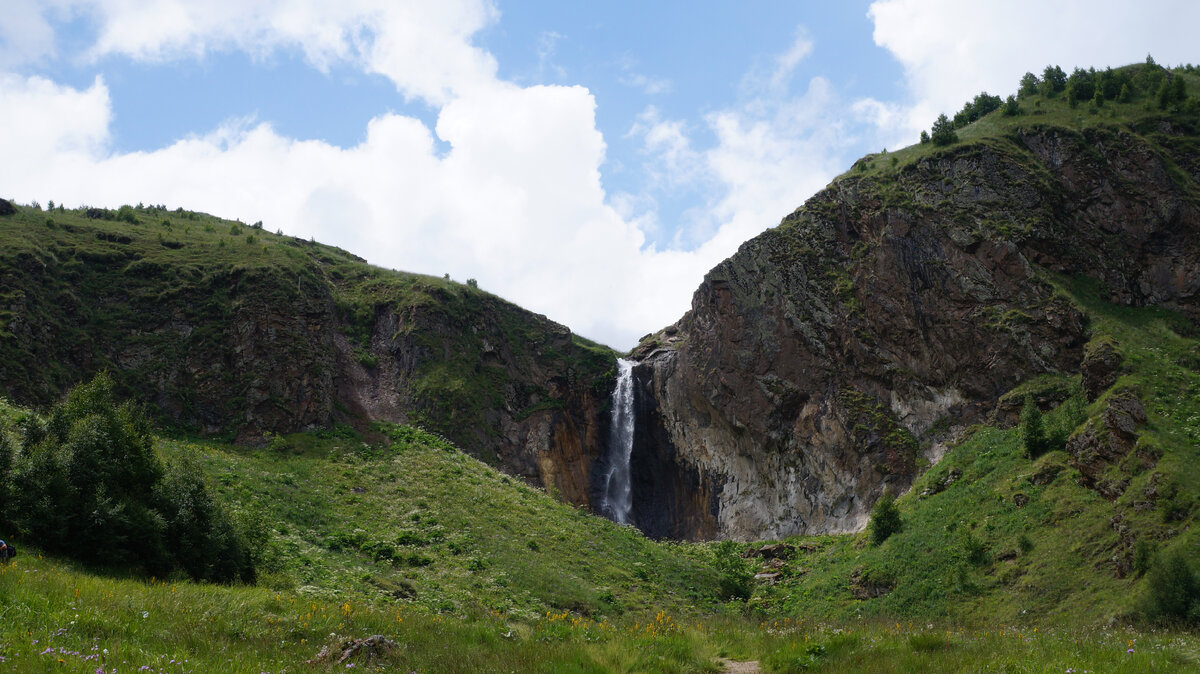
(1069,548)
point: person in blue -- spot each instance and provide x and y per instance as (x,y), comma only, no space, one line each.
(5,551)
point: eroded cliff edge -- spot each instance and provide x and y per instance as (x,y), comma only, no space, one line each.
(833,355)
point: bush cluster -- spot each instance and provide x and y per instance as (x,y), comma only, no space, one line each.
(1091,86)
(885,518)
(86,482)
(1173,590)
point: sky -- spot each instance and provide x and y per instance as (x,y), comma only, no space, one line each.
(590,161)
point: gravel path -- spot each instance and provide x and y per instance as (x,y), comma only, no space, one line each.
(735,667)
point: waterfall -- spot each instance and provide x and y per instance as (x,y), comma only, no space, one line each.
(617,500)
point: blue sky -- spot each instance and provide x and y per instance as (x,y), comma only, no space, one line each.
(589,161)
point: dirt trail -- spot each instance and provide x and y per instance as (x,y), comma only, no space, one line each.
(735,667)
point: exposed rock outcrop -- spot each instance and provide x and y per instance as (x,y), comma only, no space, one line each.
(818,363)
(1105,442)
(1100,367)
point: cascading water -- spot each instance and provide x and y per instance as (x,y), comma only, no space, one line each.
(617,500)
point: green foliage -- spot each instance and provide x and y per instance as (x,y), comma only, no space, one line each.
(472,283)
(734,573)
(84,481)
(199,533)
(1081,85)
(924,136)
(1173,590)
(6,461)
(973,549)
(88,484)
(943,132)
(973,110)
(1024,543)
(1033,433)
(126,214)
(1012,107)
(1028,86)
(1053,81)
(1144,553)
(885,518)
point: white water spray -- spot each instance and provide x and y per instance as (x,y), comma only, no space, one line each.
(618,493)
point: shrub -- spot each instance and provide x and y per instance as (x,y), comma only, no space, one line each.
(885,518)
(1029,85)
(943,132)
(1143,555)
(974,550)
(924,136)
(734,572)
(199,533)
(1033,434)
(1011,107)
(6,459)
(1054,80)
(126,214)
(975,109)
(1173,590)
(1024,543)
(88,484)
(473,283)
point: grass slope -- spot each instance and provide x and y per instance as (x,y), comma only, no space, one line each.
(414,519)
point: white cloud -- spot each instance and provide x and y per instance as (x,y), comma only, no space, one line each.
(423,47)
(675,163)
(786,62)
(952,50)
(42,120)
(516,201)
(25,34)
(649,85)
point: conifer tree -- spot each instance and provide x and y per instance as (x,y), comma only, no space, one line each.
(1033,432)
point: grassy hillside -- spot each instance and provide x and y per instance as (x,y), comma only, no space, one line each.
(414,519)
(232,331)
(470,570)
(1004,562)
(1140,113)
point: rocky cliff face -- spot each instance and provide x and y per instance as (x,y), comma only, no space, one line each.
(832,355)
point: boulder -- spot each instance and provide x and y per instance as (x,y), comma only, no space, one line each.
(1100,367)
(370,648)
(772,551)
